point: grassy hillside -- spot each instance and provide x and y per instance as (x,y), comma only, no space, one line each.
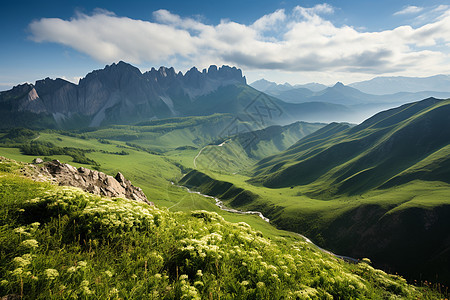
(379,151)
(163,135)
(59,242)
(150,171)
(402,229)
(378,189)
(367,224)
(238,153)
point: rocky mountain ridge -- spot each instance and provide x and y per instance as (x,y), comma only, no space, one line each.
(119,92)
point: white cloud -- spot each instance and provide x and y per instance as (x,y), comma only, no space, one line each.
(269,21)
(408,10)
(301,40)
(315,10)
(441,7)
(107,37)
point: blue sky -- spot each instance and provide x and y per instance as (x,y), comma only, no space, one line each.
(293,41)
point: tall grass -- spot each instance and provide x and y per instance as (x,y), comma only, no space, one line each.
(62,243)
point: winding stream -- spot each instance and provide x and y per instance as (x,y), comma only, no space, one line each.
(222,206)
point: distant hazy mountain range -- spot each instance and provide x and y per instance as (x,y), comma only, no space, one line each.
(274,88)
(392,85)
(375,86)
(398,90)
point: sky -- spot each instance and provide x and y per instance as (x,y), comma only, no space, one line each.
(282,41)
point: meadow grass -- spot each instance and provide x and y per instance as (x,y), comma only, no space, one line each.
(61,243)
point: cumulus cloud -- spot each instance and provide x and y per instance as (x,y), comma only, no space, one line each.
(107,37)
(411,9)
(302,39)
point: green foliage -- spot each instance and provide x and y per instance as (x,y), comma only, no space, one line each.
(25,119)
(18,135)
(59,242)
(103,141)
(38,148)
(135,146)
(159,136)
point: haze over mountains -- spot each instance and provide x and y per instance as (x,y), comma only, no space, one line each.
(378,91)
(392,147)
(392,85)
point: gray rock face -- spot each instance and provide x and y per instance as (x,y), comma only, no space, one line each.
(94,182)
(119,94)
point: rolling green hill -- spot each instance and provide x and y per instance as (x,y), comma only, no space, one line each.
(172,133)
(378,189)
(60,242)
(399,145)
(400,223)
(238,153)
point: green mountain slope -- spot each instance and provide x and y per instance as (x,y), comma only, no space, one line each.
(379,189)
(168,134)
(358,159)
(238,153)
(59,242)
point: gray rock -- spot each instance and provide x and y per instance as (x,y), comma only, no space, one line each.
(93,181)
(37,160)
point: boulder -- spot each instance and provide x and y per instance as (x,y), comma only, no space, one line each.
(94,182)
(37,160)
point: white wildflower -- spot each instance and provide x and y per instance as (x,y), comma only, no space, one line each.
(17,272)
(30,243)
(21,262)
(109,273)
(184,277)
(51,273)
(82,264)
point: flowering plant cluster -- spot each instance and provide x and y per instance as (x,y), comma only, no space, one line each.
(63,243)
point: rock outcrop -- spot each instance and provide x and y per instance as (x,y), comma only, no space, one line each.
(92,181)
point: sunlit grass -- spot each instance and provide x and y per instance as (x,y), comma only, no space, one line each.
(59,242)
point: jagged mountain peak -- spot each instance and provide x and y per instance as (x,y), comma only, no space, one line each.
(49,85)
(115,70)
(121,67)
(119,93)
